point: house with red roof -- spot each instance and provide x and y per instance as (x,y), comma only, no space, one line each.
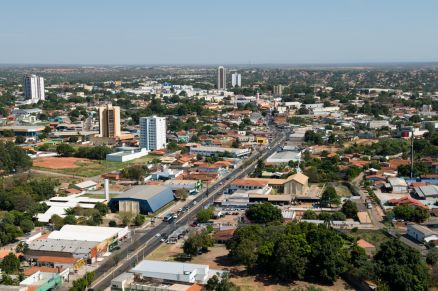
(407,200)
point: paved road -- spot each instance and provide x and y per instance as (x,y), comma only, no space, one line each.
(124,259)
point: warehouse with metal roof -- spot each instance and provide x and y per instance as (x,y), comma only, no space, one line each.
(142,199)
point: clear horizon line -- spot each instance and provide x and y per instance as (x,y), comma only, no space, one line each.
(227,64)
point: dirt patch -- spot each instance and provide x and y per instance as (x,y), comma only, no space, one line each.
(166,252)
(59,163)
(253,283)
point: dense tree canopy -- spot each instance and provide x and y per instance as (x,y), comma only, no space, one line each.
(13,159)
(263,213)
(401,267)
(329,197)
(411,213)
(290,251)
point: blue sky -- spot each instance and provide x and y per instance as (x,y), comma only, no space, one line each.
(213,32)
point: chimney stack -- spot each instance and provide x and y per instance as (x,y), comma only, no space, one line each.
(106,189)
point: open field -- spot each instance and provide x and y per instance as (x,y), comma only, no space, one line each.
(166,252)
(252,283)
(217,258)
(58,162)
(30,175)
(84,167)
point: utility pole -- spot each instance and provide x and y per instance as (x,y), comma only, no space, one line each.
(412,154)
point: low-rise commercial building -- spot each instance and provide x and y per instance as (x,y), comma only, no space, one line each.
(217,151)
(160,275)
(126,154)
(421,233)
(142,199)
(21,130)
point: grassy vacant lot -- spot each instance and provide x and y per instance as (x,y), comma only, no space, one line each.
(343,191)
(90,168)
(375,237)
(23,177)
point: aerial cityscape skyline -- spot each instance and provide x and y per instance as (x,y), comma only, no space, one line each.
(219,145)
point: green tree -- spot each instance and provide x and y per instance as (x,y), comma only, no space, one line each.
(204,215)
(57,221)
(172,146)
(432,256)
(327,258)
(139,219)
(181,194)
(221,283)
(401,267)
(259,169)
(135,172)
(349,208)
(21,247)
(13,159)
(329,197)
(70,219)
(73,139)
(20,139)
(8,133)
(358,256)
(26,225)
(10,264)
(126,217)
(102,208)
(43,188)
(291,254)
(310,214)
(263,213)
(410,213)
(198,242)
(313,137)
(65,150)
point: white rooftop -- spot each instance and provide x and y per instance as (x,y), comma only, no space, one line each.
(86,184)
(88,233)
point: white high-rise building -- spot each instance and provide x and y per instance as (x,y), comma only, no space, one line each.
(153,133)
(33,87)
(236,80)
(221,78)
(278,90)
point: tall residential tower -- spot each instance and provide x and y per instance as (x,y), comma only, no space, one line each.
(109,121)
(33,87)
(236,80)
(153,133)
(221,78)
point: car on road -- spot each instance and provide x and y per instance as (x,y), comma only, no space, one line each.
(158,235)
(168,218)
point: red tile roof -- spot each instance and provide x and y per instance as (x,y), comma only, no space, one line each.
(35,269)
(407,200)
(53,259)
(364,244)
(247,182)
